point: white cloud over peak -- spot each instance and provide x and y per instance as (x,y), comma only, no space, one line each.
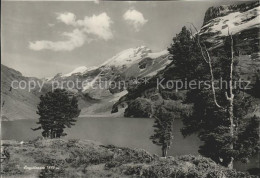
(98,25)
(74,40)
(135,18)
(86,30)
(68,18)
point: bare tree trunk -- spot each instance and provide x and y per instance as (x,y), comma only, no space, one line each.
(164,151)
(231,102)
(231,119)
(54,134)
(229,98)
(51,133)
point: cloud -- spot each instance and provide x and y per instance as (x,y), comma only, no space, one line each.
(51,24)
(74,40)
(67,18)
(97,25)
(135,18)
(86,30)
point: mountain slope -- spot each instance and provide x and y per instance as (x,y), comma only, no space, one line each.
(79,70)
(16,103)
(127,57)
(110,80)
(242,21)
(95,97)
(139,60)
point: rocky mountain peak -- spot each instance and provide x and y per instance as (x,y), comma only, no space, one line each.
(58,75)
(214,12)
(128,56)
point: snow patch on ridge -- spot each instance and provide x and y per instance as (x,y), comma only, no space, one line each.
(234,22)
(158,54)
(80,70)
(127,57)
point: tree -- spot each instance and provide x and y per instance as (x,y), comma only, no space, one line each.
(186,56)
(163,125)
(57,111)
(247,138)
(140,107)
(229,96)
(228,133)
(217,114)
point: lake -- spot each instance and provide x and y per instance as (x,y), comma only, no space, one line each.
(125,132)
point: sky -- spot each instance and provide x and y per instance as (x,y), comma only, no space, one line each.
(41,39)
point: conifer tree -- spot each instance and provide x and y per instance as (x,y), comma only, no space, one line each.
(163,125)
(57,111)
(219,116)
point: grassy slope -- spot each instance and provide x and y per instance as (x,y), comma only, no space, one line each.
(75,158)
(16,103)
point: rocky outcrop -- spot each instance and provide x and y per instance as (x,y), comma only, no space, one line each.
(214,12)
(242,21)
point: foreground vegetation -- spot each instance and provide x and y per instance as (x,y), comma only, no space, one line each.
(82,158)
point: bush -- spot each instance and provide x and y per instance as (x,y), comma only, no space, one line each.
(133,170)
(112,164)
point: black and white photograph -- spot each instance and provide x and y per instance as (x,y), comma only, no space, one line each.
(130,89)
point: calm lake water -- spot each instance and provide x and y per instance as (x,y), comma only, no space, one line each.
(125,132)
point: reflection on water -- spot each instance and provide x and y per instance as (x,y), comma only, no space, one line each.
(125,132)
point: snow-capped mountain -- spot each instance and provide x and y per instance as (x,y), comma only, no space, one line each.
(130,63)
(80,70)
(123,61)
(128,57)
